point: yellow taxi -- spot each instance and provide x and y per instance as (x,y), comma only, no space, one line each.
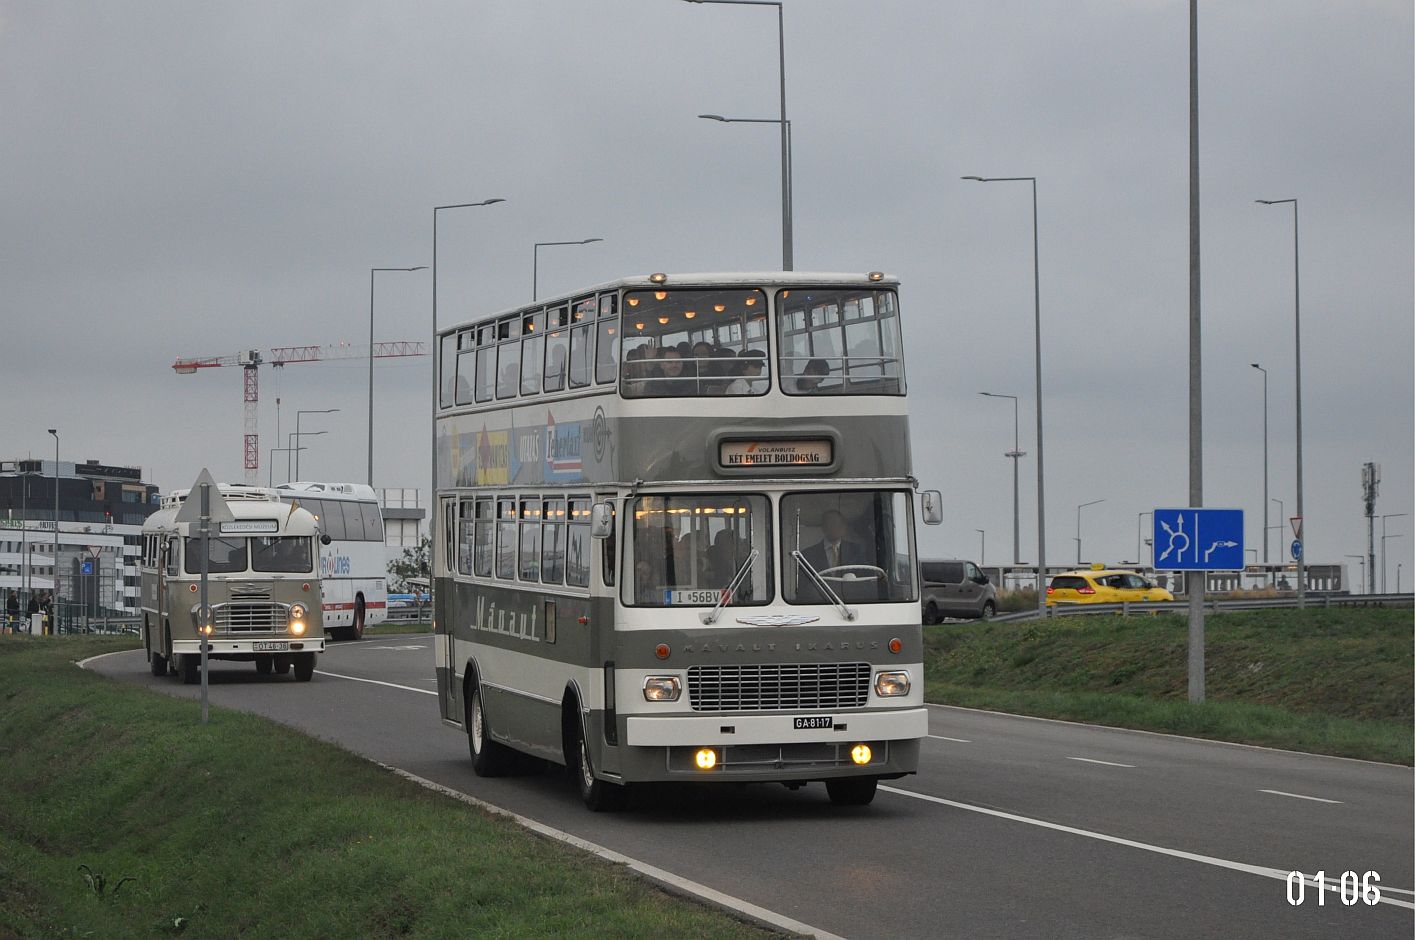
(1101,585)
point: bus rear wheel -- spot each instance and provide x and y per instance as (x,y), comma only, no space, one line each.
(356,631)
(304,667)
(489,759)
(852,791)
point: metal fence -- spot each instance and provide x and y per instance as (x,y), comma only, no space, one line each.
(1216,604)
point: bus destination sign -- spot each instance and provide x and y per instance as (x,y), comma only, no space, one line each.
(249,526)
(792,453)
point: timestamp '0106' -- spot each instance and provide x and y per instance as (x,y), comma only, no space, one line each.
(1352,887)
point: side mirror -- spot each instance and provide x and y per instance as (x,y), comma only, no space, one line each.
(324,539)
(602,520)
(931,506)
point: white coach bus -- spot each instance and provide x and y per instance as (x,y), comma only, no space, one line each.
(353,566)
(674,535)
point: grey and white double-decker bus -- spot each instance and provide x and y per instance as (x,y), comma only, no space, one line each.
(674,535)
(264,587)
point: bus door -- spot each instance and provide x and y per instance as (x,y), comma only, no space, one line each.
(166,568)
(443,564)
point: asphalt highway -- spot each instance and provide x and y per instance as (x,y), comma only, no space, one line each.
(1013,827)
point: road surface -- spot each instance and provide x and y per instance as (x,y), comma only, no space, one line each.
(1014,827)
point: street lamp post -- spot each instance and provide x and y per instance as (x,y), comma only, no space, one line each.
(1297,333)
(1265,459)
(786,242)
(270,481)
(1078,526)
(371,273)
(982,548)
(1361,560)
(1140,538)
(298,414)
(535,259)
(54,594)
(1384,566)
(1016,455)
(1037,309)
(788,196)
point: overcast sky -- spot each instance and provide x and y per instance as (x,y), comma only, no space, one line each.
(190,179)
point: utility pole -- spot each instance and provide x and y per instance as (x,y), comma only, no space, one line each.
(1196,398)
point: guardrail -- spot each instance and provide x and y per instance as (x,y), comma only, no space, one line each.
(1215,604)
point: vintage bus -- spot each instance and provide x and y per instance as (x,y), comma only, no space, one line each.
(353,564)
(674,535)
(263,587)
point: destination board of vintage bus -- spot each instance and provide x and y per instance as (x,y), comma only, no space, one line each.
(777,453)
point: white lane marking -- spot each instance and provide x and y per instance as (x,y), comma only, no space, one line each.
(1117,840)
(1298,796)
(944,737)
(1166,734)
(677,882)
(391,685)
(1108,763)
(411,646)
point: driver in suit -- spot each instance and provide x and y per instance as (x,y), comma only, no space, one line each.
(836,548)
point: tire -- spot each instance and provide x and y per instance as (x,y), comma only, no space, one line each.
(304,667)
(264,665)
(599,796)
(489,759)
(280,664)
(989,609)
(190,668)
(356,632)
(852,791)
(155,660)
(931,613)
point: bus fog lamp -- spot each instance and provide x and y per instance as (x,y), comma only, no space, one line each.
(891,684)
(706,758)
(861,754)
(662,689)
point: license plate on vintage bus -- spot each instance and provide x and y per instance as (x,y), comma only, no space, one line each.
(271,646)
(807,724)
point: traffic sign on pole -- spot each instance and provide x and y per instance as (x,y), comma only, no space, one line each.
(1296,526)
(1296,549)
(1198,539)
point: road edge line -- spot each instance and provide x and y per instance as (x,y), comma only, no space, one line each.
(674,884)
(1168,734)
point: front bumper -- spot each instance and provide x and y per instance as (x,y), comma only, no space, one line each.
(727,729)
(221,646)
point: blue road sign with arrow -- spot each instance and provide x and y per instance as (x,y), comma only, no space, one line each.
(1296,549)
(1198,539)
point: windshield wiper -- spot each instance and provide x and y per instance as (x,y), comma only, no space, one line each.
(846,612)
(726,595)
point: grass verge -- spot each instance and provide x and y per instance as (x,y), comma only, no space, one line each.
(247,828)
(1330,681)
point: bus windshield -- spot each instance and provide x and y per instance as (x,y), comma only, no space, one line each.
(840,342)
(282,553)
(228,555)
(857,541)
(687,549)
(695,342)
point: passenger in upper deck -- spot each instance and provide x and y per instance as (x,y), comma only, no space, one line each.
(750,366)
(812,375)
(678,376)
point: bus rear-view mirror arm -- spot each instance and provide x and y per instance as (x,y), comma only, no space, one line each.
(931,506)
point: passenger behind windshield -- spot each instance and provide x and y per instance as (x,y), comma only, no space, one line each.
(688,549)
(680,343)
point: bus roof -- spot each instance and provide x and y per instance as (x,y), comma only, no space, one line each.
(359,491)
(707,279)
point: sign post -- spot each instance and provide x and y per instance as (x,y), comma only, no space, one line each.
(208,507)
(1197,540)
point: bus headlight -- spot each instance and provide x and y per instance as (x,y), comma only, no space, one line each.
(891,684)
(662,689)
(297,627)
(297,611)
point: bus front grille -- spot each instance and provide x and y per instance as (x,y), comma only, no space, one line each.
(251,617)
(778,687)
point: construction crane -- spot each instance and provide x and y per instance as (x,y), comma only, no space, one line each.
(250,361)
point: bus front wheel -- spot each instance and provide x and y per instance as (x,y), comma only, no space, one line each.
(489,759)
(304,667)
(280,664)
(852,791)
(264,665)
(356,631)
(191,668)
(600,796)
